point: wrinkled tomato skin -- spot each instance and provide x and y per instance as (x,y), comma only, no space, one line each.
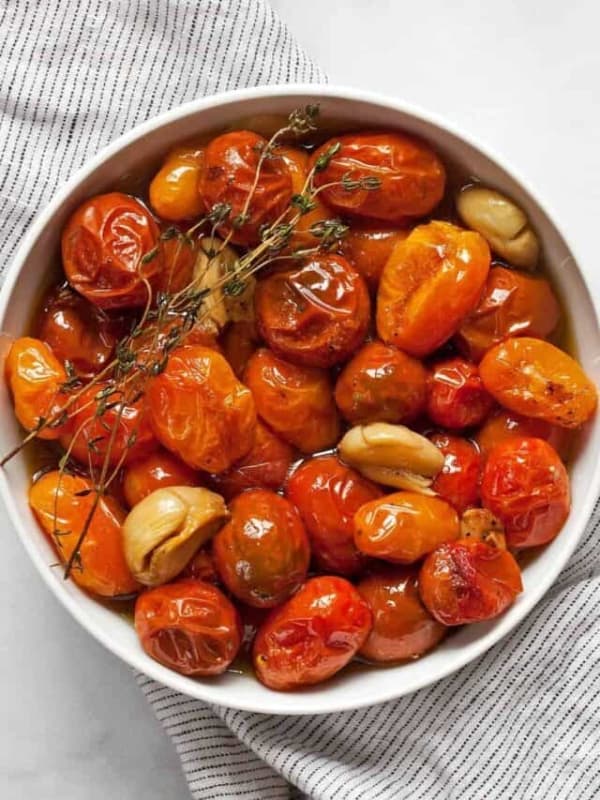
(311,636)
(468,581)
(230,167)
(239,341)
(61,508)
(458,482)
(202,567)
(402,627)
(175,189)
(456,397)
(411,176)
(156,471)
(200,411)
(297,162)
(327,494)
(188,626)
(265,466)
(368,249)
(179,258)
(402,527)
(536,379)
(381,384)
(262,553)
(512,304)
(296,402)
(503,425)
(316,315)
(526,485)
(432,280)
(103,247)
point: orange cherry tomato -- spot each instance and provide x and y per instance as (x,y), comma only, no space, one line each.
(402,627)
(296,402)
(107,248)
(188,626)
(266,465)
(297,163)
(179,258)
(230,171)
(62,503)
(411,176)
(156,471)
(536,379)
(512,304)
(239,341)
(402,527)
(327,494)
(526,485)
(381,384)
(315,315)
(432,280)
(262,553)
(200,411)
(368,250)
(311,636)
(175,189)
(468,581)
(505,425)
(456,397)
(458,482)
(202,567)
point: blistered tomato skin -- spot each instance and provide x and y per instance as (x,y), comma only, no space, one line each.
(327,494)
(404,526)
(468,581)
(174,190)
(402,627)
(316,315)
(411,176)
(368,249)
(296,402)
(188,626)
(200,411)
(156,471)
(456,397)
(504,425)
(431,282)
(381,384)
(458,482)
(262,553)
(526,485)
(230,167)
(311,636)
(62,506)
(103,248)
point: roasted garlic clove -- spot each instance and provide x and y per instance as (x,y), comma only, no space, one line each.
(392,455)
(165,529)
(479,523)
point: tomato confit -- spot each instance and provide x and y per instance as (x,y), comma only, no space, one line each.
(307,387)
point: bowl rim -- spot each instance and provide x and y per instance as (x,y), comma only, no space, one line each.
(205,690)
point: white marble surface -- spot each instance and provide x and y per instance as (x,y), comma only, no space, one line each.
(523,76)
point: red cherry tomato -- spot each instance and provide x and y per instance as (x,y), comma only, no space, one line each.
(458,482)
(239,341)
(311,636)
(202,567)
(526,485)
(505,425)
(188,626)
(297,162)
(368,249)
(456,396)
(156,471)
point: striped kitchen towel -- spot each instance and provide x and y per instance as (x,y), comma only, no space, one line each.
(524,720)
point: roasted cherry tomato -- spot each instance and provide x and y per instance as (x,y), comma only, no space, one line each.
(297,163)
(179,258)
(156,471)
(262,553)
(239,341)
(110,251)
(536,379)
(296,402)
(368,250)
(458,482)
(381,384)
(525,484)
(202,567)
(315,315)
(456,397)
(512,304)
(404,526)
(432,280)
(200,411)
(188,626)
(35,377)
(313,635)
(175,189)
(328,494)
(266,465)
(411,177)
(62,504)
(402,627)
(504,425)
(231,170)
(469,581)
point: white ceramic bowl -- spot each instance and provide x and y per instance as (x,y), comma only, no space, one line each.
(131,155)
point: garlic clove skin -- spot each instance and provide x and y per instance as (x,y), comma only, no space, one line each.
(480,523)
(165,529)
